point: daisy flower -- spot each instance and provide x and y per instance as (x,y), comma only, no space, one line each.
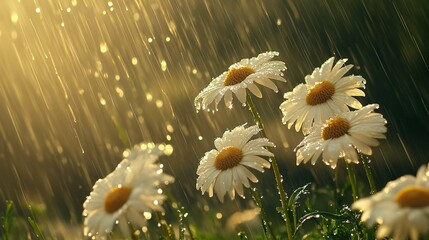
(127,195)
(342,135)
(241,76)
(326,92)
(401,208)
(145,152)
(224,169)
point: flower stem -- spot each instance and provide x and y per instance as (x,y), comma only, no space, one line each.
(277,175)
(265,223)
(182,216)
(353,181)
(368,171)
(166,229)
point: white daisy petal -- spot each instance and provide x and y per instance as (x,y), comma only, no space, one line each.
(94,219)
(255,160)
(229,184)
(343,136)
(419,220)
(136,217)
(124,192)
(401,208)
(331,153)
(361,146)
(336,75)
(255,90)
(209,180)
(241,95)
(327,92)
(105,225)
(400,231)
(267,83)
(242,174)
(241,76)
(123,226)
(257,147)
(316,156)
(228,99)
(237,183)
(249,174)
(219,188)
(384,230)
(225,170)
(350,154)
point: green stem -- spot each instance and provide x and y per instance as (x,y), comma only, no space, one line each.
(182,215)
(34,225)
(277,175)
(336,181)
(6,220)
(337,191)
(166,231)
(368,171)
(265,223)
(353,182)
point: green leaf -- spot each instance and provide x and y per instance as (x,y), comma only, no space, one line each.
(35,228)
(34,225)
(294,197)
(122,133)
(320,214)
(293,201)
(6,220)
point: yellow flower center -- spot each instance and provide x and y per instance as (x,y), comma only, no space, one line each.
(116,198)
(320,93)
(335,128)
(228,157)
(413,196)
(235,76)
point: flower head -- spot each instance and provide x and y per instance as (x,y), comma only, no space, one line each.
(128,194)
(241,76)
(401,208)
(342,135)
(224,169)
(326,92)
(145,152)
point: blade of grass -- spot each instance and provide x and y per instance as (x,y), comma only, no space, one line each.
(7,220)
(265,223)
(35,228)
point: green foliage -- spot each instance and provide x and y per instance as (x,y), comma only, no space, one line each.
(6,221)
(242,235)
(342,226)
(266,225)
(15,227)
(122,133)
(33,224)
(35,228)
(293,202)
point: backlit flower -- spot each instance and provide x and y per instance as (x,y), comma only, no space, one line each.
(240,76)
(401,208)
(224,169)
(127,195)
(342,135)
(326,92)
